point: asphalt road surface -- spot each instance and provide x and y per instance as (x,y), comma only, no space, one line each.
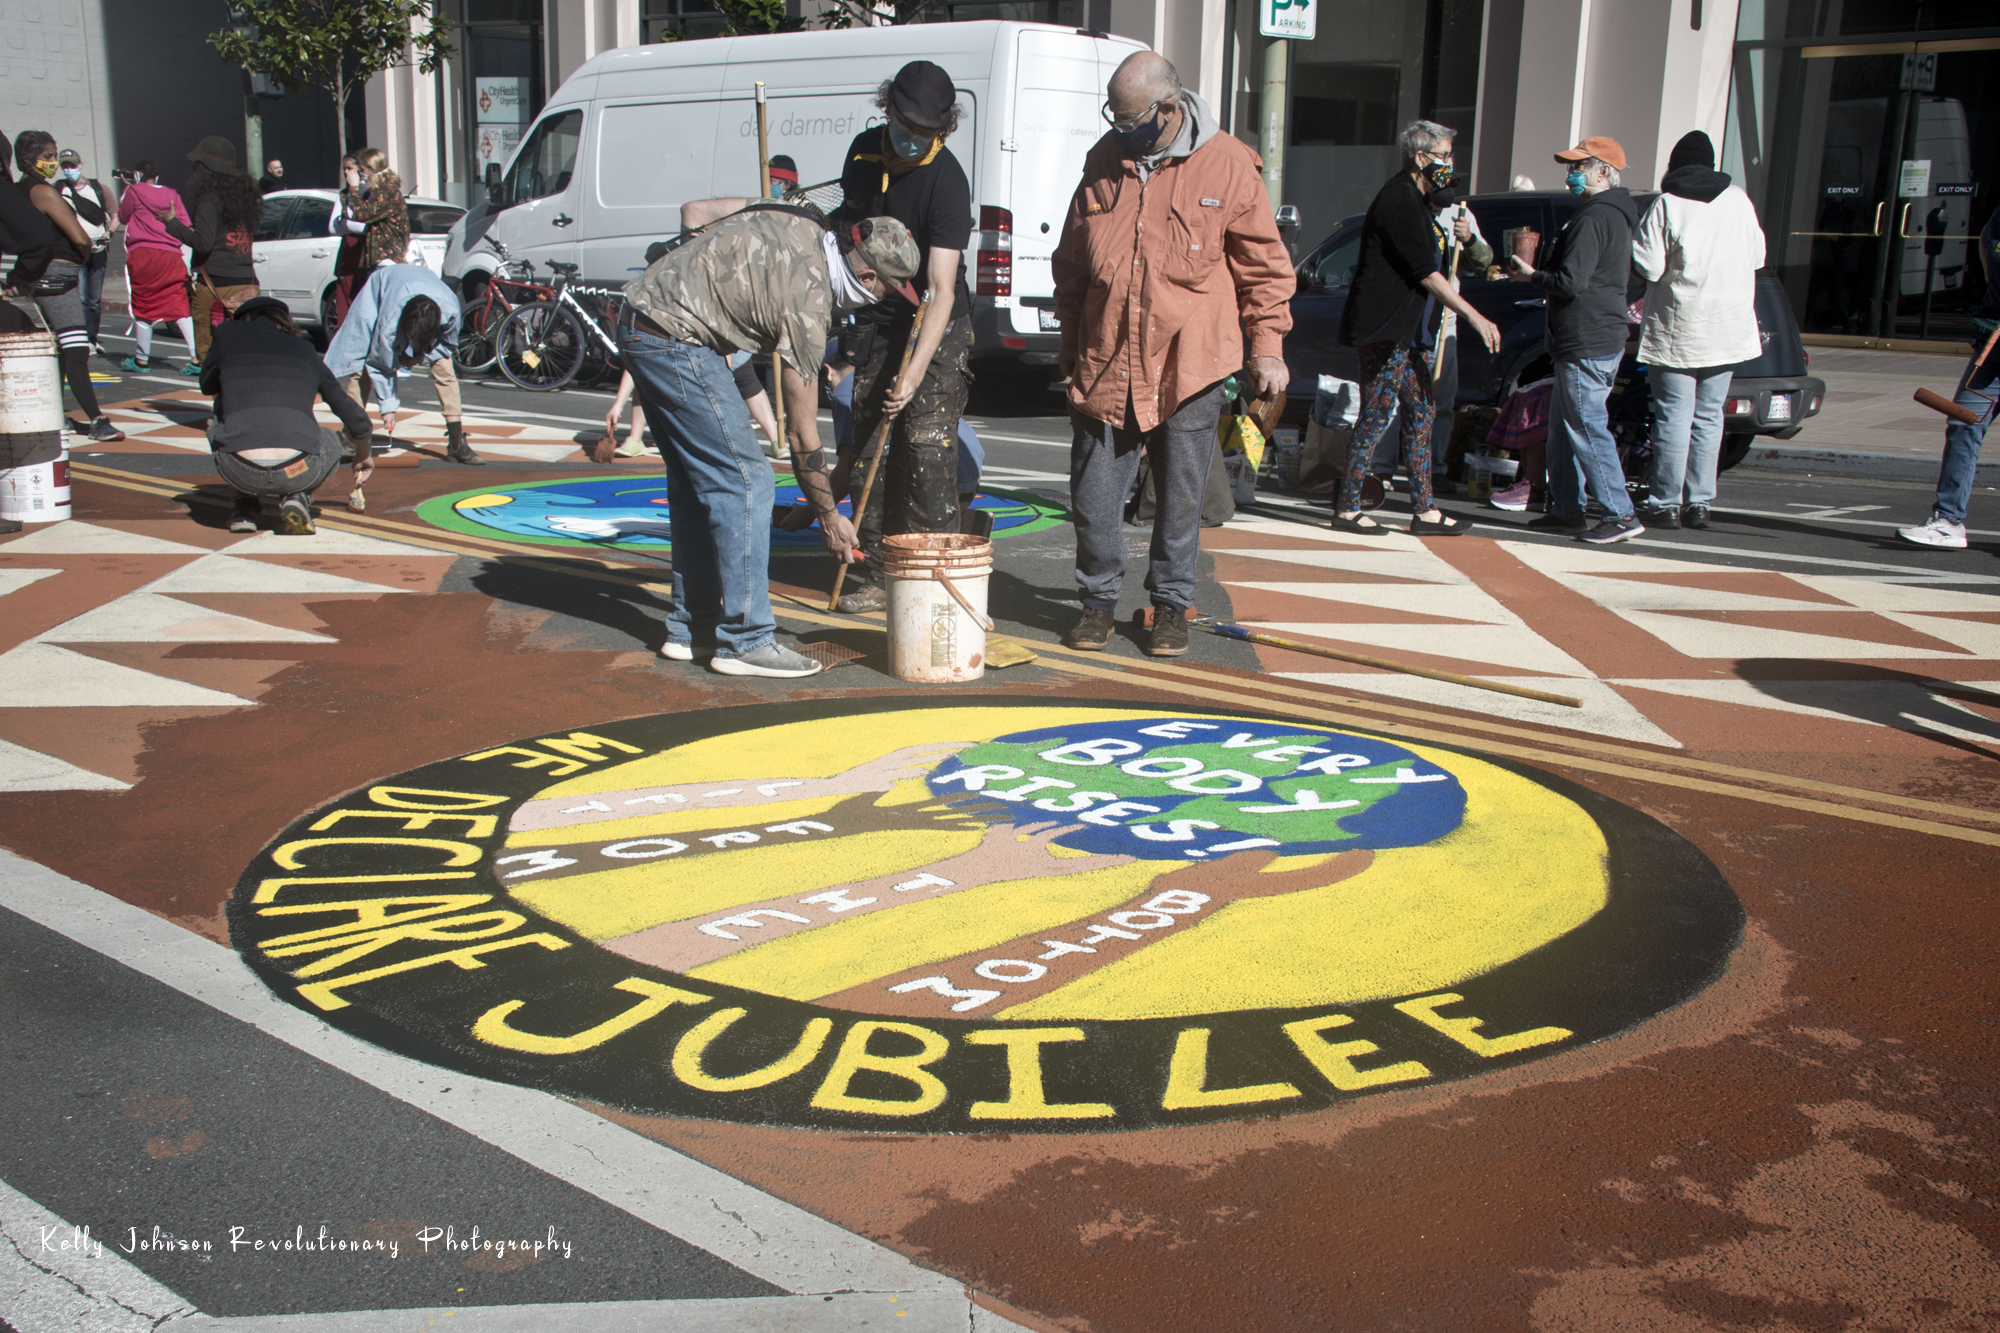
(359,974)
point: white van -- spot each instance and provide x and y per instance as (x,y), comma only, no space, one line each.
(636,132)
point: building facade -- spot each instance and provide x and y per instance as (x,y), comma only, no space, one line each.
(1866,131)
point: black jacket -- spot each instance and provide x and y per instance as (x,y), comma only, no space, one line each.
(1586,278)
(264,382)
(1398,251)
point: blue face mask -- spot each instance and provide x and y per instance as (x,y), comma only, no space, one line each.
(1575,182)
(905,143)
(72,174)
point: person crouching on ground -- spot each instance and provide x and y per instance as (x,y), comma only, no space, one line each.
(1585,281)
(1154,319)
(766,279)
(1698,248)
(264,375)
(403,316)
(1389,321)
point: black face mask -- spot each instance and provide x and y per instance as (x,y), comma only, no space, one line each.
(1441,198)
(1438,174)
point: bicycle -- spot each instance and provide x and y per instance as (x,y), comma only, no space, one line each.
(542,345)
(479,323)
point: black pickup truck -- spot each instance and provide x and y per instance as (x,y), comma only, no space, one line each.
(1771,395)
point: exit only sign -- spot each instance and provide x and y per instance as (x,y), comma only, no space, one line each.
(1288,18)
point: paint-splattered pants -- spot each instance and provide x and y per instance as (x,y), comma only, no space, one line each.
(917,490)
(1391,375)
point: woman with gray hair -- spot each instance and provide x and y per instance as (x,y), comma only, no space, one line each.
(1388,320)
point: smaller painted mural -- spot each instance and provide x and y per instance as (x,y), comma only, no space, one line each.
(629,513)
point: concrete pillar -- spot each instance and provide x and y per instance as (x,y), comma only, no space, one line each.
(1555,71)
(575,30)
(1194,34)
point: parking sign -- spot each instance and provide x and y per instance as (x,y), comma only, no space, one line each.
(1288,18)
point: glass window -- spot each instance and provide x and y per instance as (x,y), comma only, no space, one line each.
(1345,105)
(433,219)
(309,219)
(1335,266)
(271,223)
(546,160)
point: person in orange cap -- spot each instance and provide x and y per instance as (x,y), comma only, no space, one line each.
(1586,278)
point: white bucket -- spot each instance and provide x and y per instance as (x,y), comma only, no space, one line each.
(937,605)
(34,457)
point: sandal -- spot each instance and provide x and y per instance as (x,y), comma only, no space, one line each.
(1357,524)
(1444,525)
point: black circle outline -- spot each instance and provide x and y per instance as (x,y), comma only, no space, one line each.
(1667,930)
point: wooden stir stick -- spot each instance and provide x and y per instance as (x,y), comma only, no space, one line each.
(880,446)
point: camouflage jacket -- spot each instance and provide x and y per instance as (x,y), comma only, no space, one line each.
(755,281)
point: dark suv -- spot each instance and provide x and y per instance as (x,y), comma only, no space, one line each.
(1771,395)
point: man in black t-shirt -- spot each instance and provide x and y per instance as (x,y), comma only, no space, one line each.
(903,170)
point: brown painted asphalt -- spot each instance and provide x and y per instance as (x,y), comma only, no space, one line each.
(1810,1143)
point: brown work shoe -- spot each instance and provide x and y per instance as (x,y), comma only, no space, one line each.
(867,597)
(1169,632)
(1092,633)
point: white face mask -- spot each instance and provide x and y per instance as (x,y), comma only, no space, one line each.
(848,293)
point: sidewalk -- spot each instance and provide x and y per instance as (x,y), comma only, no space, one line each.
(1869,424)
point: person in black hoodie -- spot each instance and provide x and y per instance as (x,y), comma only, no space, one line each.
(1385,319)
(1588,325)
(223,203)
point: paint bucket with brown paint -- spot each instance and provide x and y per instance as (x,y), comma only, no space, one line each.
(937,605)
(34,457)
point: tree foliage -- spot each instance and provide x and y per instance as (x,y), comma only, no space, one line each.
(337,45)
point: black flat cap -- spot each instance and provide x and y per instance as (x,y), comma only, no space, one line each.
(922,95)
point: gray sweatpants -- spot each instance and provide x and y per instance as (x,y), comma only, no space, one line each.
(1104,463)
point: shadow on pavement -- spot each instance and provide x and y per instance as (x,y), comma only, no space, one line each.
(1947,712)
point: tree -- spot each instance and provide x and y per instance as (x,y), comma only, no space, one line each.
(337,45)
(872,13)
(748,18)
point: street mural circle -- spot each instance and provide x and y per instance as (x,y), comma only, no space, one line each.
(981,914)
(629,513)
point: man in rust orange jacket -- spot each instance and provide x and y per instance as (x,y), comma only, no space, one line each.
(1169,262)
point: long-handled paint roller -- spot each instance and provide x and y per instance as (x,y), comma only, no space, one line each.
(1937,402)
(880,446)
(1229,631)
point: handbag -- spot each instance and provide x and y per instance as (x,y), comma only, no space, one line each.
(54,284)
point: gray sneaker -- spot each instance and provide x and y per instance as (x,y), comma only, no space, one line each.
(1613,530)
(771,659)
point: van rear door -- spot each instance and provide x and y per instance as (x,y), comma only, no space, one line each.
(1056,119)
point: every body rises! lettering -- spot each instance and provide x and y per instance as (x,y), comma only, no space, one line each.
(982,914)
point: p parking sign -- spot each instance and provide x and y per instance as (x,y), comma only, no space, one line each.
(1296,19)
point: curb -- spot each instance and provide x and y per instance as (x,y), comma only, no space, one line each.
(1858,463)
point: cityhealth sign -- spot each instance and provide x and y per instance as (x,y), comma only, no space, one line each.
(1288,18)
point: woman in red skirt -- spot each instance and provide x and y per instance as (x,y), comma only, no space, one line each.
(155,272)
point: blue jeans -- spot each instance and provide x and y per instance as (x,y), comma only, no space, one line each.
(1687,434)
(719,491)
(1961,442)
(1581,450)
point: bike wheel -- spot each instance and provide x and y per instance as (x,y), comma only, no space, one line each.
(478,348)
(540,346)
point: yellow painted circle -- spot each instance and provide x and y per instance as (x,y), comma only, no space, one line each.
(490,500)
(1525,866)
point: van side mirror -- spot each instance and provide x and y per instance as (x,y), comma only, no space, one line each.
(493,183)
